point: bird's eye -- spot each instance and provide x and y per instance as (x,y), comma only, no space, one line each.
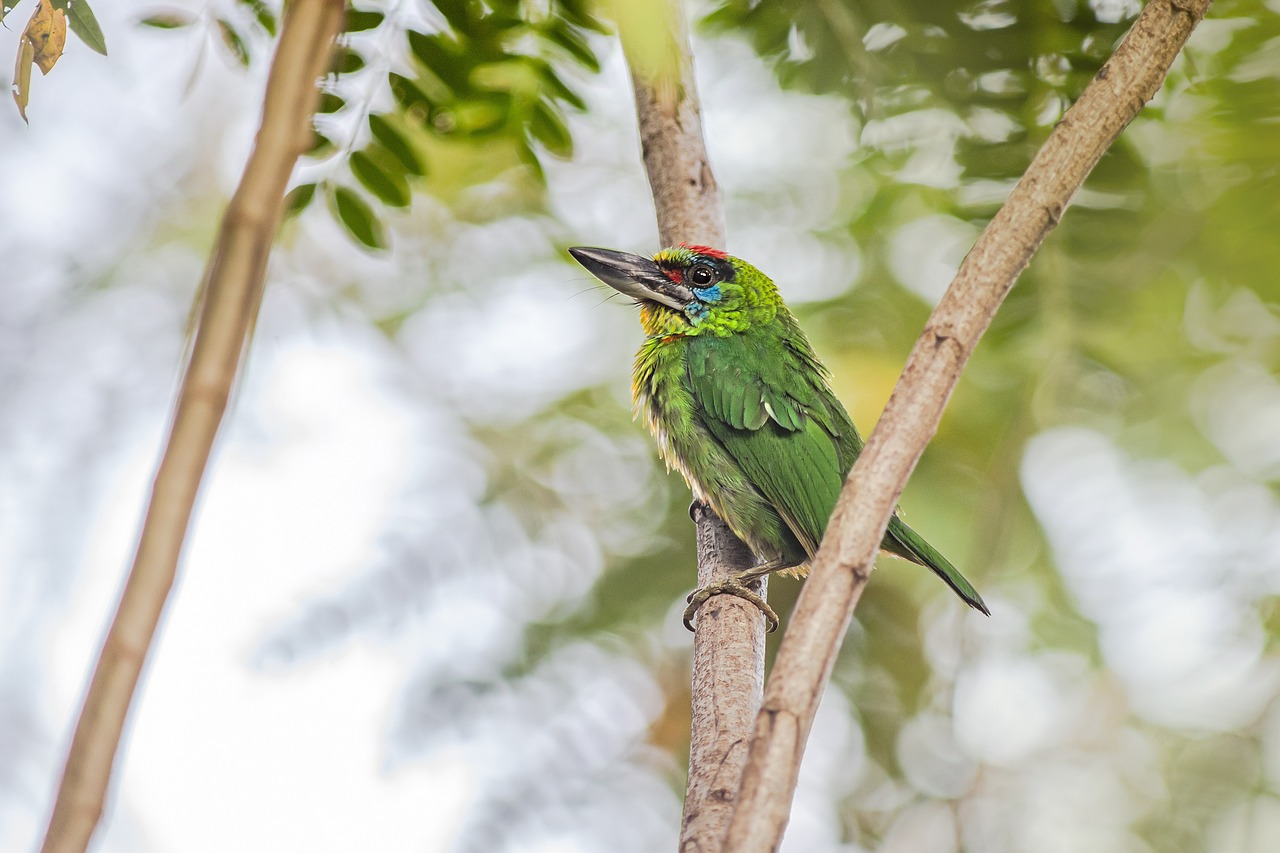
(701,275)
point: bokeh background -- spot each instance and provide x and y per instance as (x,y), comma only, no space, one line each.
(431,597)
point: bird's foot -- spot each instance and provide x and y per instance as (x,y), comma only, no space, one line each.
(696,508)
(731,586)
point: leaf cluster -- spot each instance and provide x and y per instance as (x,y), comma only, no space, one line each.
(1150,300)
(470,79)
(487,74)
(1024,59)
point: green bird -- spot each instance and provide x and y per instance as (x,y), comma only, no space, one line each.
(740,404)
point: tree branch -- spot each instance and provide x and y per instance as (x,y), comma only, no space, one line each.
(233,292)
(728,647)
(808,651)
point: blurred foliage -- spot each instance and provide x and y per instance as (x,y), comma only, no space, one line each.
(1106,472)
(1104,331)
(479,74)
(1160,273)
(477,91)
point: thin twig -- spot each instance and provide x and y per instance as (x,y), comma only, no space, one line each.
(808,651)
(728,647)
(232,294)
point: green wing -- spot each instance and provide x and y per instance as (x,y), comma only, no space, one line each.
(769,406)
(765,398)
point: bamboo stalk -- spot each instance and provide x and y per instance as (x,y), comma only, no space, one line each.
(232,293)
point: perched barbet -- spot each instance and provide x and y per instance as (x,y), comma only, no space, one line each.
(741,406)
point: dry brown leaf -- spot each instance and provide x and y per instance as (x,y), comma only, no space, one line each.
(47,34)
(22,77)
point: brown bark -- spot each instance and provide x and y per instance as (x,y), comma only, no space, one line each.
(808,651)
(232,293)
(728,646)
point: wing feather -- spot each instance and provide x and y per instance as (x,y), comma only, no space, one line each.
(769,427)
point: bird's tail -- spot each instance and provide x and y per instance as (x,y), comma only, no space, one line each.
(905,542)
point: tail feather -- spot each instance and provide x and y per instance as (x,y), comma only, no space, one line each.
(905,542)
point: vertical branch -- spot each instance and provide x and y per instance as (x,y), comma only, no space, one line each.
(686,197)
(1128,80)
(233,292)
(728,647)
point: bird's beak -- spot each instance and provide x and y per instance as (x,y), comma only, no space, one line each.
(634,276)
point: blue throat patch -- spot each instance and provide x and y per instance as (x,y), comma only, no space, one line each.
(696,311)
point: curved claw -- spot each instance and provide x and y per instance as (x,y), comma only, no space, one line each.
(731,586)
(695,510)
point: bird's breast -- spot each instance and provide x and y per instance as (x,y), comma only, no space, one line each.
(662,400)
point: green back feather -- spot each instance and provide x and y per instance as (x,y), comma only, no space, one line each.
(756,397)
(763,394)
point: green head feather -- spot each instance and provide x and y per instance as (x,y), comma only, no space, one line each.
(729,295)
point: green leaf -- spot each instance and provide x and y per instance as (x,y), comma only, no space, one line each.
(444,59)
(408,93)
(6,6)
(358,22)
(574,44)
(479,116)
(330,103)
(232,41)
(297,199)
(388,184)
(457,14)
(321,146)
(530,159)
(266,17)
(168,20)
(357,218)
(392,140)
(577,12)
(549,128)
(558,87)
(348,61)
(83,23)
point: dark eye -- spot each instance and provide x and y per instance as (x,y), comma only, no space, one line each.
(701,275)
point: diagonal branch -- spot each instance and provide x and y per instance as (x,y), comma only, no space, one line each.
(803,666)
(728,648)
(233,288)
